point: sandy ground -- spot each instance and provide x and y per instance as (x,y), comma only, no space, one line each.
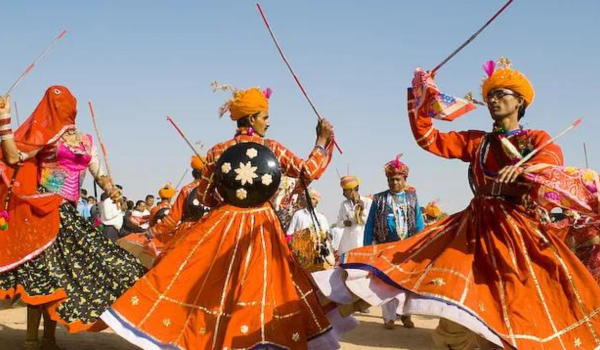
(370,334)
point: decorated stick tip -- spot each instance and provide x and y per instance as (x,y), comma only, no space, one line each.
(62,34)
(578,121)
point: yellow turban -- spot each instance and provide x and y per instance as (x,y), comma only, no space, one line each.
(349,182)
(166,192)
(433,210)
(248,102)
(198,163)
(507,78)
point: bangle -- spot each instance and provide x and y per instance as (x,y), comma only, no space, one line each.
(6,132)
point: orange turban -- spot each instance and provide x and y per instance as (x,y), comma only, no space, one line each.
(248,102)
(349,182)
(507,78)
(433,210)
(166,192)
(198,163)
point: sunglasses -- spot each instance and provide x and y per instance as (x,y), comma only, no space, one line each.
(498,94)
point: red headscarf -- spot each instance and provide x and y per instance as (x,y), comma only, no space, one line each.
(34,219)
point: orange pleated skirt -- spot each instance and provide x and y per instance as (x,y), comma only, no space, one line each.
(230,282)
(496,264)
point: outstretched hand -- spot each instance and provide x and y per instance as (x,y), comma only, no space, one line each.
(509,174)
(324,132)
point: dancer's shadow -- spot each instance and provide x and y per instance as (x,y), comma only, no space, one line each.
(13,337)
(370,333)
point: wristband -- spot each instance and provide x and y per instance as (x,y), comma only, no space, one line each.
(6,132)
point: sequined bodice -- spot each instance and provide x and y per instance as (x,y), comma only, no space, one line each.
(63,167)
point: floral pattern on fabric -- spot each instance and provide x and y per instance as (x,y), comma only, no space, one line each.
(92,271)
(566,187)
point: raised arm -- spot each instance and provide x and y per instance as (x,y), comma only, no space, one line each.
(10,152)
(314,166)
(452,144)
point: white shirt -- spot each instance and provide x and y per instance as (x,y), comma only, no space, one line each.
(351,237)
(140,214)
(302,220)
(110,215)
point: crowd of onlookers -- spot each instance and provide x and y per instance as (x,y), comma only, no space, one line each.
(114,220)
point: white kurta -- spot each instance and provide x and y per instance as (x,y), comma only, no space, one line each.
(302,220)
(110,215)
(353,236)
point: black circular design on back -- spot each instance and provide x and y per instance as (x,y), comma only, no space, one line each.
(247,174)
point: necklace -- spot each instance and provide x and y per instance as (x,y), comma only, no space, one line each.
(514,153)
(400,207)
(244,131)
(73,141)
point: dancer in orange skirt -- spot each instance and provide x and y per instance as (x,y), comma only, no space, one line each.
(51,256)
(186,210)
(231,282)
(492,272)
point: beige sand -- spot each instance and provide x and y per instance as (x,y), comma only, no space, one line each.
(369,335)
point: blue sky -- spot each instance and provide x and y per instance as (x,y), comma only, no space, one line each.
(139,61)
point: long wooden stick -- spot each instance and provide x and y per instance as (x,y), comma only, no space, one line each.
(434,70)
(338,172)
(103,149)
(542,146)
(17,115)
(30,67)
(170,120)
(181,179)
(587,165)
(285,60)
